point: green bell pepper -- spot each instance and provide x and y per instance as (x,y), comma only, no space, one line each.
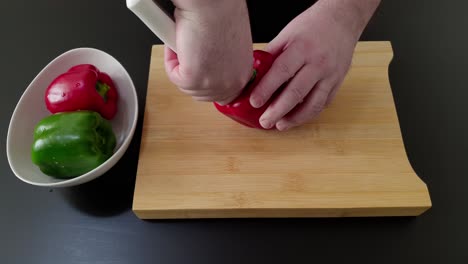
(69,144)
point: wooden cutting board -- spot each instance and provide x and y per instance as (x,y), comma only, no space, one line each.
(196,163)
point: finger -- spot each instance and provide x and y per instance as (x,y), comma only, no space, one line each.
(312,106)
(276,46)
(293,94)
(208,98)
(208,95)
(211,99)
(283,68)
(170,59)
(171,65)
(199,92)
(226,100)
(203,98)
(332,94)
(334,91)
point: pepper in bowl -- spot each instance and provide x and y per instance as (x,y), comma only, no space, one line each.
(78,136)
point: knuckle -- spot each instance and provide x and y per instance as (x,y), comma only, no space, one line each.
(186,79)
(323,62)
(317,108)
(303,46)
(297,94)
(223,99)
(264,90)
(193,80)
(187,91)
(274,114)
(319,105)
(284,69)
(322,95)
(202,99)
(175,79)
(260,95)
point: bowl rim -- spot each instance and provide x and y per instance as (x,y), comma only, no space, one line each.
(91,174)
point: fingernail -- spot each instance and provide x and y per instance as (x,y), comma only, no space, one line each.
(255,101)
(266,123)
(282,126)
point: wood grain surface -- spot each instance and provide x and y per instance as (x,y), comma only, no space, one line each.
(196,163)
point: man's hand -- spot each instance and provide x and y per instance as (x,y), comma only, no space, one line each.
(313,54)
(213,61)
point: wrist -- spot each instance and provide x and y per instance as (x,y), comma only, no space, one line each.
(352,15)
(211,15)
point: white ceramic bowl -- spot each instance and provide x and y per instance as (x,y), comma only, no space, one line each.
(31,109)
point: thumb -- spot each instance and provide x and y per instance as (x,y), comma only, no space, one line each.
(172,65)
(276,46)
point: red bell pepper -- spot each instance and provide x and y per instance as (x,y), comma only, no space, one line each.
(83,87)
(240,109)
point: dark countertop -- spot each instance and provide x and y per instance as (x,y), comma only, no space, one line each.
(93,223)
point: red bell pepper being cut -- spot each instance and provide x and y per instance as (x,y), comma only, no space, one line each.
(83,87)
(240,109)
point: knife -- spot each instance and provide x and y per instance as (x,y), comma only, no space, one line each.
(157,15)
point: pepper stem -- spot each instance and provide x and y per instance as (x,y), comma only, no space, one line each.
(102,89)
(254,74)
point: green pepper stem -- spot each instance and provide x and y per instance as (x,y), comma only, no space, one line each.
(102,89)
(254,74)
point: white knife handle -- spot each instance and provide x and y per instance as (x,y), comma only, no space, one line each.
(155,19)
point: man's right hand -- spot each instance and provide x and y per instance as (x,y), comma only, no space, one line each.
(213,58)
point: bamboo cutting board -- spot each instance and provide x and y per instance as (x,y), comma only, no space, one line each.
(196,163)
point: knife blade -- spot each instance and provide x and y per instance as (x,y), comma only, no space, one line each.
(158,16)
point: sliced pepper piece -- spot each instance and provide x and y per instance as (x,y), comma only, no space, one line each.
(69,144)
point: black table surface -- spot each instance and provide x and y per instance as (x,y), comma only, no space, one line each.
(94,223)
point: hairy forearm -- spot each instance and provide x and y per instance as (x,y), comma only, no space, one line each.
(352,14)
